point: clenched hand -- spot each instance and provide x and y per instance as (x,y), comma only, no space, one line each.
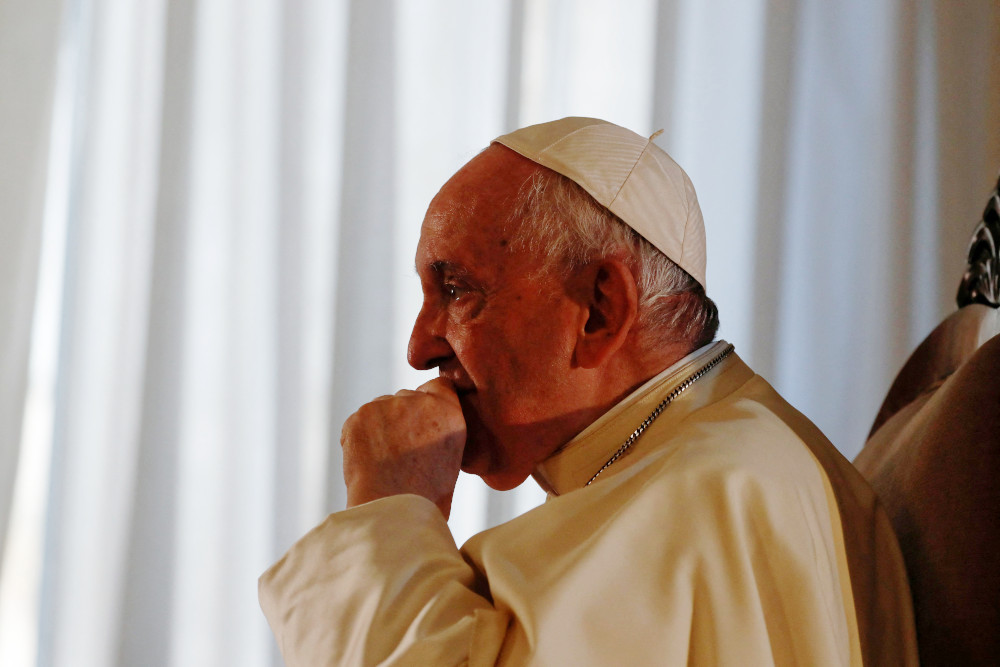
(410,442)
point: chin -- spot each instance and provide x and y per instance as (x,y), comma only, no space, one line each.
(503,481)
(483,456)
(500,478)
(495,476)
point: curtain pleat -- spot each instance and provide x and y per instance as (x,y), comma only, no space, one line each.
(29,43)
(151,565)
(362,357)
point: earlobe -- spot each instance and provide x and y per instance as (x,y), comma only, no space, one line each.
(611,312)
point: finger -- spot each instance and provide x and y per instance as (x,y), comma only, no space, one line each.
(403,392)
(440,387)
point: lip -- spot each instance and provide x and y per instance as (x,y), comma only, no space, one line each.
(463,387)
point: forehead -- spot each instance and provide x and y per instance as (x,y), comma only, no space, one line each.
(469,215)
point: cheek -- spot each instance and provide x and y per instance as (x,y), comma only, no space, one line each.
(547,342)
(482,342)
(513,355)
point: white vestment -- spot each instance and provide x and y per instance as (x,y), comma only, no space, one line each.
(731,533)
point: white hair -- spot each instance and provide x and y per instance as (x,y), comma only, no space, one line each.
(556,218)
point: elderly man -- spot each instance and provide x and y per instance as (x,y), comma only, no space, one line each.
(693,516)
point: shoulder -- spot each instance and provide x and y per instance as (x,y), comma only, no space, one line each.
(750,437)
(731,472)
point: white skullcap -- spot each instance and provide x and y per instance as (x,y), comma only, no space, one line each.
(627,174)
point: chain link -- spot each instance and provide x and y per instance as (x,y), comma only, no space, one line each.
(678,390)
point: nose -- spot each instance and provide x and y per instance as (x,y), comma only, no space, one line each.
(428,347)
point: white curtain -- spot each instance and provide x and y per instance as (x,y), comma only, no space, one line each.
(209,210)
(28,45)
(29,42)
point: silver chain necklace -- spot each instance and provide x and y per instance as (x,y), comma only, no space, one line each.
(678,390)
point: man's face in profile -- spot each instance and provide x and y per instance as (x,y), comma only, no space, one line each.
(493,322)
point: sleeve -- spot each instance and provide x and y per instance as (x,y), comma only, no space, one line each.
(380,584)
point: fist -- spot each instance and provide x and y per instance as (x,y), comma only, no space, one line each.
(410,442)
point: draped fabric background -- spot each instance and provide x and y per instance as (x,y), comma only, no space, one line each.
(209,210)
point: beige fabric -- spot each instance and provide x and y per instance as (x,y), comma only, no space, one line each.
(718,540)
(627,174)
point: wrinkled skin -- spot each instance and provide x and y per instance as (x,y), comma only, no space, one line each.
(526,358)
(398,436)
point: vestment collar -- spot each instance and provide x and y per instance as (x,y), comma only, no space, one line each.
(576,462)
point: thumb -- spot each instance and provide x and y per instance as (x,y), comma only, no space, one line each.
(440,387)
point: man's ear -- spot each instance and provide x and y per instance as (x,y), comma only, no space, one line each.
(611,300)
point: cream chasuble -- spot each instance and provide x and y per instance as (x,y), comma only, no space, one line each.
(731,533)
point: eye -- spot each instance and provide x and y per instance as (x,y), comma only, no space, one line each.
(454,292)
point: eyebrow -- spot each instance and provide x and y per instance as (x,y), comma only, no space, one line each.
(443,266)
